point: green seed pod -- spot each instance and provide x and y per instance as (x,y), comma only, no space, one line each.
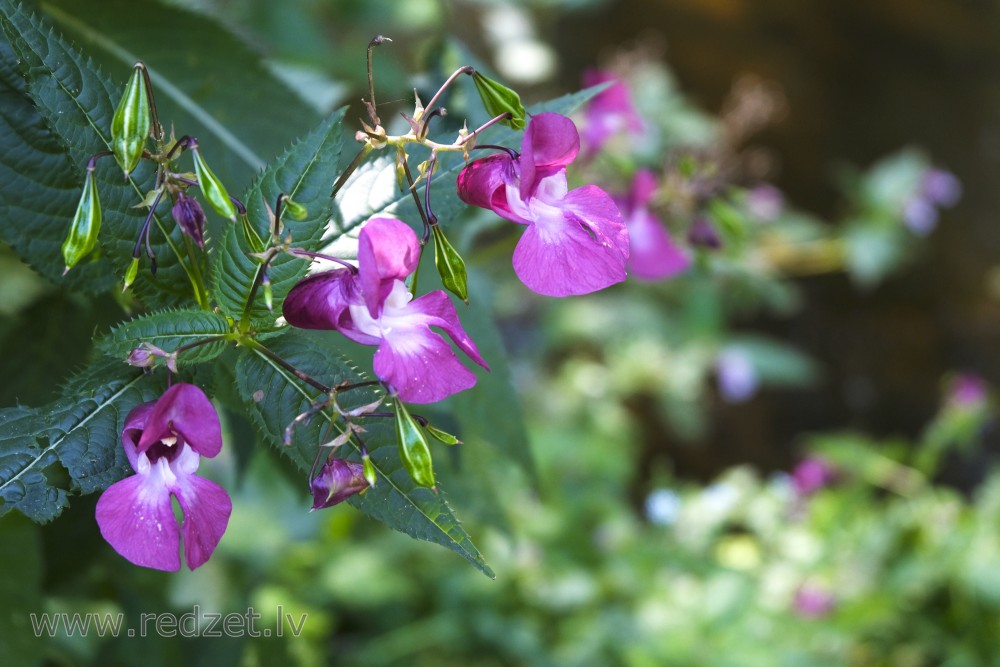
(368,469)
(442,436)
(130,125)
(499,99)
(413,448)
(131,273)
(268,292)
(213,190)
(450,266)
(295,209)
(86,225)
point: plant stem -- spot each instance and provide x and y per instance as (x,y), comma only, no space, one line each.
(257,347)
(468,69)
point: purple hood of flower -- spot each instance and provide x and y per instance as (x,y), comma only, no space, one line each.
(336,482)
(373,307)
(653,255)
(575,241)
(164,441)
(609,112)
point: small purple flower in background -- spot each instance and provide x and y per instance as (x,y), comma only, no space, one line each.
(336,482)
(652,253)
(191,218)
(738,379)
(968,391)
(765,202)
(813,602)
(164,442)
(575,241)
(608,113)
(811,475)
(938,188)
(372,306)
(703,234)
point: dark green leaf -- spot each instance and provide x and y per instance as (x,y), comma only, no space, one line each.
(168,331)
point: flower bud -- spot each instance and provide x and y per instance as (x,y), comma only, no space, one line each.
(131,273)
(295,209)
(191,218)
(704,235)
(86,224)
(450,266)
(413,448)
(212,188)
(336,482)
(130,125)
(368,469)
(265,282)
(499,99)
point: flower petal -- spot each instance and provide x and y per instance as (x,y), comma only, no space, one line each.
(206,508)
(653,255)
(480,179)
(184,410)
(135,422)
(318,301)
(584,252)
(550,143)
(136,518)
(388,250)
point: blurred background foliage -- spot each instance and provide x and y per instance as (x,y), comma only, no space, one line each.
(782,456)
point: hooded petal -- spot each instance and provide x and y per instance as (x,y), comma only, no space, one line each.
(579,248)
(318,301)
(185,411)
(206,508)
(550,143)
(479,181)
(336,482)
(388,250)
(135,422)
(653,255)
(136,518)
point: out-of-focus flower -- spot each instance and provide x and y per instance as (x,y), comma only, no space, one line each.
(703,234)
(738,379)
(765,202)
(813,602)
(575,241)
(811,475)
(663,506)
(337,481)
(608,113)
(164,442)
(938,188)
(968,391)
(652,253)
(372,306)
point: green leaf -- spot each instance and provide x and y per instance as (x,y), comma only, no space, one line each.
(76,101)
(305,173)
(168,331)
(81,432)
(21,561)
(39,187)
(274,397)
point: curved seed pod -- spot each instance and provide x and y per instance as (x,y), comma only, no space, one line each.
(442,436)
(131,273)
(215,193)
(413,448)
(86,225)
(368,469)
(450,266)
(131,122)
(295,209)
(499,99)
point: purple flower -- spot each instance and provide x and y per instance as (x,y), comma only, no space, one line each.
(968,391)
(811,475)
(609,112)
(765,202)
(941,187)
(813,602)
(372,306)
(575,241)
(652,253)
(164,442)
(336,482)
(191,218)
(703,234)
(738,379)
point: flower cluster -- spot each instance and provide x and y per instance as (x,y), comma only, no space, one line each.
(937,189)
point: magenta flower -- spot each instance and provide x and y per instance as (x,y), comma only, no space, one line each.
(575,241)
(652,253)
(811,475)
(608,113)
(968,391)
(164,442)
(372,306)
(336,482)
(813,602)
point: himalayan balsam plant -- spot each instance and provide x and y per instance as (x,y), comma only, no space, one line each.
(230,306)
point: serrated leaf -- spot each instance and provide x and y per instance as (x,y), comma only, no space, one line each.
(275,397)
(77,102)
(39,187)
(168,331)
(305,173)
(81,432)
(371,190)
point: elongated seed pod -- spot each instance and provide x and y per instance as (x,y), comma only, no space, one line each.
(413,448)
(450,266)
(212,188)
(86,225)
(130,125)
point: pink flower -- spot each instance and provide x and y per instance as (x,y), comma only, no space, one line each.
(164,441)
(372,306)
(652,253)
(811,475)
(575,241)
(813,602)
(609,112)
